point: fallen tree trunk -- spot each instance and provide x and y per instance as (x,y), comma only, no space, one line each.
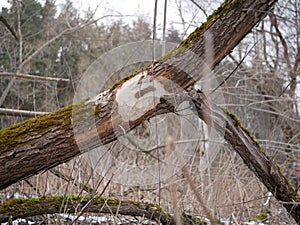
(22,208)
(46,141)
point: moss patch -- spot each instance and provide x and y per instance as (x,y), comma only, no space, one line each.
(13,205)
(20,132)
(123,80)
(198,221)
(20,206)
(260,217)
(109,201)
(15,134)
(233,117)
(287,182)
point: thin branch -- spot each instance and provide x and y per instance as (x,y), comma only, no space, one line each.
(6,24)
(18,112)
(33,77)
(71,179)
(204,12)
(235,69)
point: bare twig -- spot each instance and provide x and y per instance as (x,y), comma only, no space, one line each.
(235,69)
(11,30)
(18,112)
(69,178)
(33,77)
(199,7)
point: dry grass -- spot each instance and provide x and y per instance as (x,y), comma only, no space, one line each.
(227,187)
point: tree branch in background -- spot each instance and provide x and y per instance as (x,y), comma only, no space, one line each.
(6,24)
(33,77)
(18,112)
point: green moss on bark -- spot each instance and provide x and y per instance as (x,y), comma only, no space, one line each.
(247,131)
(18,205)
(18,134)
(260,217)
(15,134)
(53,204)
(287,182)
(120,82)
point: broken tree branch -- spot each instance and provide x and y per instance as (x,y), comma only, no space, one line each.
(46,141)
(250,151)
